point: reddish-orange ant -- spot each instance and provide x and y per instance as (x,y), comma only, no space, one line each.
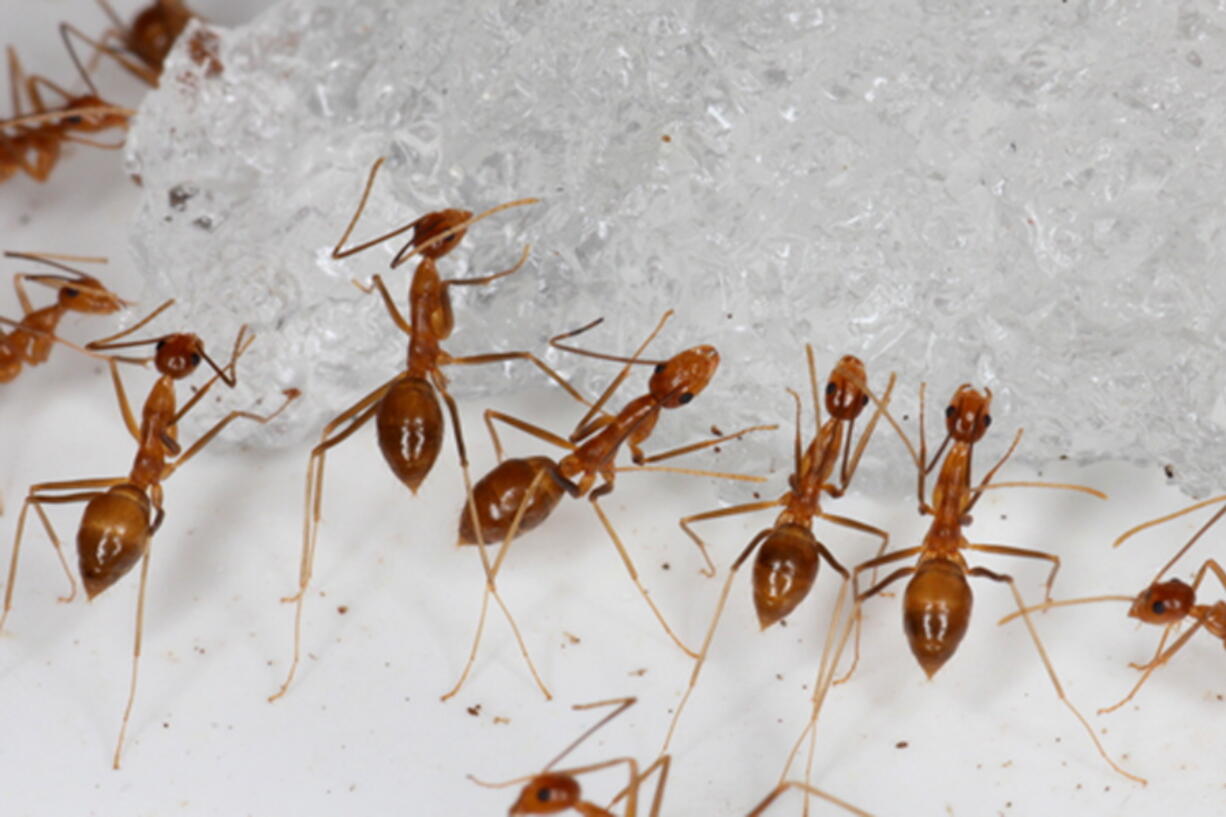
(405,409)
(520,493)
(31,142)
(123,513)
(144,44)
(788,553)
(937,600)
(30,341)
(559,792)
(1168,602)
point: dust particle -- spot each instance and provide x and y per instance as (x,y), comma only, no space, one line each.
(902,744)
(715,430)
(474,710)
(342,609)
(637,673)
(571,637)
(666,566)
(666,138)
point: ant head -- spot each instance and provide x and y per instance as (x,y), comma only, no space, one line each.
(91,122)
(87,294)
(966,416)
(845,396)
(678,380)
(1163,602)
(178,355)
(432,224)
(549,793)
(156,28)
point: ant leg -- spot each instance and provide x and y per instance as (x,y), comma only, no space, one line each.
(527,428)
(356,416)
(1051,672)
(808,789)
(859,598)
(1154,663)
(109,342)
(33,497)
(491,588)
(487,279)
(983,483)
(376,282)
(290,396)
(1196,536)
(100,49)
(661,764)
(140,629)
(734,510)
(634,575)
(500,357)
(863,527)
(339,253)
(642,459)
(706,642)
(1006,550)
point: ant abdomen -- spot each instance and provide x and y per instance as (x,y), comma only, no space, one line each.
(498,495)
(783,572)
(410,425)
(936,612)
(113,536)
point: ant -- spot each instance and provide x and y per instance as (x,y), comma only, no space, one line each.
(1165,602)
(145,44)
(556,792)
(30,341)
(788,555)
(937,601)
(519,494)
(406,409)
(122,514)
(31,142)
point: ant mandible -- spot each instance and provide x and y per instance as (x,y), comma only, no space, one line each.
(558,792)
(31,142)
(30,341)
(405,409)
(519,494)
(123,513)
(1167,603)
(937,600)
(788,554)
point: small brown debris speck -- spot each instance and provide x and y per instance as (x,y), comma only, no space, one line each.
(1006,764)
(474,710)
(499,720)
(571,637)
(715,430)
(778,676)
(902,744)
(638,673)
(165,725)
(666,138)
(342,609)
(757,495)
(666,566)
(1170,471)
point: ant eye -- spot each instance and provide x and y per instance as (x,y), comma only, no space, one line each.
(685,398)
(161,343)
(1158,607)
(864,400)
(831,389)
(544,795)
(71,292)
(74,120)
(195,359)
(659,368)
(949,412)
(987,420)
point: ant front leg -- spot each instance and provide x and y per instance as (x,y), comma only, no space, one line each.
(1006,550)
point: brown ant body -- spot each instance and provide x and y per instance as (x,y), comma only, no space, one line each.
(29,342)
(937,600)
(559,792)
(406,408)
(123,513)
(788,554)
(31,143)
(520,493)
(1167,603)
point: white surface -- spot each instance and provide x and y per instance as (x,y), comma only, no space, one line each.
(362,732)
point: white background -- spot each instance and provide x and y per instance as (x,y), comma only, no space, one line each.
(363,732)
